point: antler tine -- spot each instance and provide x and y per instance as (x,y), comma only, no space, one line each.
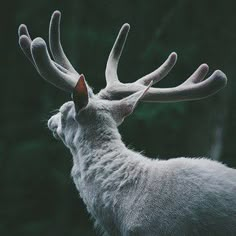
(161,72)
(197,76)
(196,86)
(55,43)
(47,68)
(36,51)
(193,88)
(114,56)
(25,44)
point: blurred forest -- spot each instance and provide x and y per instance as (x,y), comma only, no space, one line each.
(37,194)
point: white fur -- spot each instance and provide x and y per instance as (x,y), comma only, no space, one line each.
(128,194)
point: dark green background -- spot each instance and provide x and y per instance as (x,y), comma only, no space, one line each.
(37,194)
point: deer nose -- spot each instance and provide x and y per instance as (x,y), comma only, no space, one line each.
(53,122)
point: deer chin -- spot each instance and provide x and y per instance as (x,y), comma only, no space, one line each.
(55,135)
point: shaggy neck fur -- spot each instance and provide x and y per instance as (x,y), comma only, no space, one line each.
(103,169)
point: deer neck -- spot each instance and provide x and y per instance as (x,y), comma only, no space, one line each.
(95,142)
(103,166)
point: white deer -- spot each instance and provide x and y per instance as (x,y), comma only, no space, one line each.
(125,192)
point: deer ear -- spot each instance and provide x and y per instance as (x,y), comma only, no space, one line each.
(126,106)
(80,94)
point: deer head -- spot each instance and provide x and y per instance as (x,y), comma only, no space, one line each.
(117,100)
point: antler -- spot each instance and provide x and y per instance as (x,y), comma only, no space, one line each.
(195,87)
(59,72)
